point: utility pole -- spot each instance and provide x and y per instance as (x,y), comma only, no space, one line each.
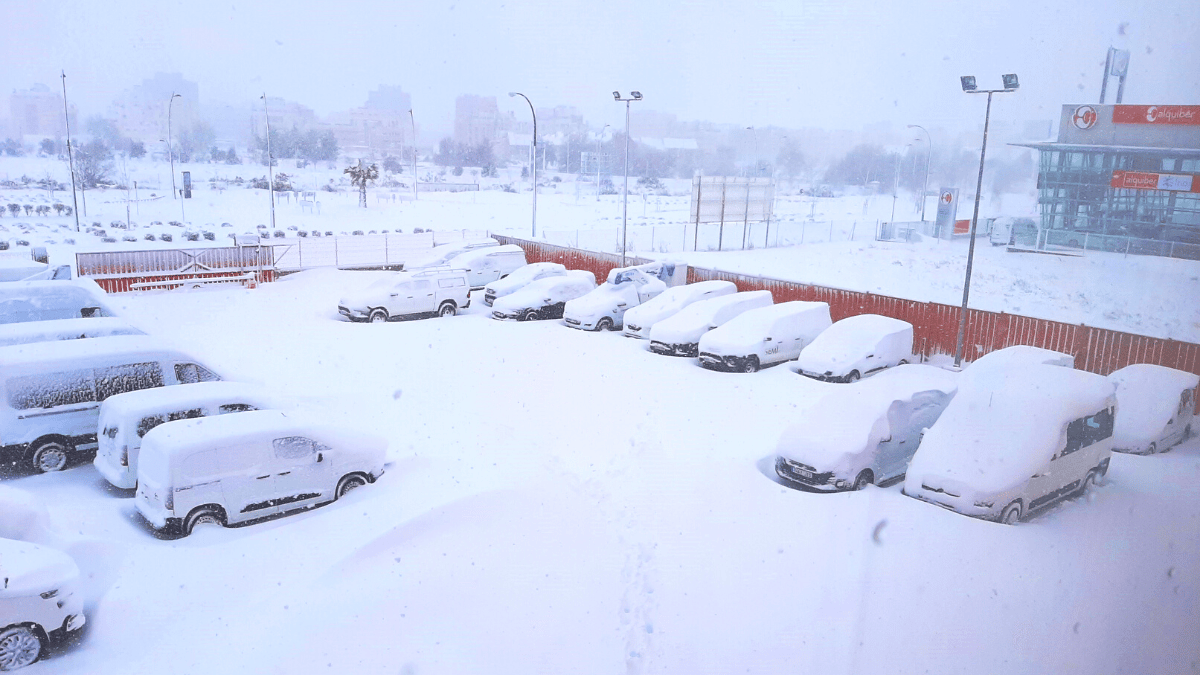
(70,155)
(270,161)
(633,96)
(414,151)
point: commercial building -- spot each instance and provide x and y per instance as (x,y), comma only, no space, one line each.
(38,111)
(1122,177)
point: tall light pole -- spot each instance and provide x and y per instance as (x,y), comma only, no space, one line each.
(968,85)
(170,149)
(270,160)
(928,154)
(534,162)
(414,151)
(896,184)
(633,96)
(70,155)
(598,140)
(755,132)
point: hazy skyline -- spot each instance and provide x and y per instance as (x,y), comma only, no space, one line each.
(835,65)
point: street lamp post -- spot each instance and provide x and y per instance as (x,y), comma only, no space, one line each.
(633,96)
(70,154)
(755,132)
(414,151)
(928,154)
(533,163)
(598,141)
(270,160)
(896,185)
(170,149)
(968,85)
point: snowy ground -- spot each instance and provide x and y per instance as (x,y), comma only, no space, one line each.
(566,502)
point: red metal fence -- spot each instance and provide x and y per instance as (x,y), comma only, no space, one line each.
(935,326)
(118,271)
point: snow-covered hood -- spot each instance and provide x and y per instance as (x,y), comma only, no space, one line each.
(371,296)
(548,291)
(603,300)
(746,334)
(847,343)
(1148,397)
(523,277)
(26,569)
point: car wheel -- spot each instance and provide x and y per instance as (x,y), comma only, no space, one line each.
(447,309)
(864,479)
(750,365)
(348,483)
(20,646)
(604,324)
(904,362)
(203,515)
(1011,513)
(50,456)
(853,376)
(378,316)
(530,315)
(1152,449)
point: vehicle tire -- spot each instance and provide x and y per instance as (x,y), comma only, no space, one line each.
(203,515)
(377,316)
(1152,449)
(1011,513)
(1074,243)
(751,364)
(865,478)
(447,309)
(20,646)
(854,376)
(1104,468)
(1093,479)
(604,323)
(903,362)
(347,483)
(51,455)
(530,315)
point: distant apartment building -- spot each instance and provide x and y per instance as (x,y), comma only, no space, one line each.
(476,120)
(379,128)
(141,112)
(37,111)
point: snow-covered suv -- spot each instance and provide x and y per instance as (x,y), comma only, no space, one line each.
(433,291)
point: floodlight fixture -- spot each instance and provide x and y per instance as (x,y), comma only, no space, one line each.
(968,82)
(1010,81)
(637,95)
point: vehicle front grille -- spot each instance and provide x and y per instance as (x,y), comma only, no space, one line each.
(801,473)
(573,322)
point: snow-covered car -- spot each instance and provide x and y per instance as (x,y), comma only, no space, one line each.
(40,606)
(521,278)
(764,336)
(604,307)
(856,346)
(639,320)
(435,291)
(441,254)
(63,329)
(1022,354)
(22,301)
(235,468)
(50,392)
(679,335)
(487,264)
(126,418)
(1156,407)
(857,436)
(1015,440)
(544,298)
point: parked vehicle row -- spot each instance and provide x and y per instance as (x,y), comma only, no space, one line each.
(545,298)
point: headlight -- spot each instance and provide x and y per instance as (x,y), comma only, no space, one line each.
(841,483)
(984,505)
(49,594)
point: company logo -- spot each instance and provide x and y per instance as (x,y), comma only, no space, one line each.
(947,197)
(1157,114)
(1085,117)
(1151,113)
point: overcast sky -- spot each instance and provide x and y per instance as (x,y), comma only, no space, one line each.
(794,63)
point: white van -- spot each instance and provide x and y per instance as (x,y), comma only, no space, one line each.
(1006,231)
(23,301)
(680,335)
(639,320)
(63,329)
(439,291)
(1022,354)
(520,279)
(40,606)
(604,307)
(235,468)
(126,418)
(50,392)
(1015,440)
(863,435)
(1158,407)
(441,254)
(856,346)
(487,264)
(764,336)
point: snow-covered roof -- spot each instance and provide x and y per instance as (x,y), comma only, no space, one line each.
(851,338)
(197,393)
(1147,398)
(27,568)
(20,300)
(181,437)
(1005,424)
(60,329)
(571,285)
(466,257)
(699,315)
(676,298)
(524,275)
(1023,354)
(101,347)
(753,325)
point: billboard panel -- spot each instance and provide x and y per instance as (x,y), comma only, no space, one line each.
(725,199)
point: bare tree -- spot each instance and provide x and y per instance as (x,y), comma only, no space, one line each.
(359,177)
(93,163)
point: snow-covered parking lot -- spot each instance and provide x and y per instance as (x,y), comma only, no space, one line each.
(566,502)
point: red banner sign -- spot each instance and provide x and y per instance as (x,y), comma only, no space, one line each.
(1135,180)
(1156,114)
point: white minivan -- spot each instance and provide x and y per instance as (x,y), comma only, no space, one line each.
(764,336)
(1158,406)
(63,329)
(680,334)
(857,346)
(604,307)
(1015,440)
(639,320)
(40,605)
(126,418)
(23,301)
(435,291)
(487,264)
(50,392)
(520,279)
(234,468)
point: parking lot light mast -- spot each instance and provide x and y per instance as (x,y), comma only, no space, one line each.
(70,155)
(598,140)
(633,96)
(414,151)
(928,153)
(170,149)
(968,86)
(270,160)
(533,173)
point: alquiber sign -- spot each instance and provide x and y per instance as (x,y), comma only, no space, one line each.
(1156,114)
(1137,180)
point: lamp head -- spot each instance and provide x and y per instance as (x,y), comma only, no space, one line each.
(512,93)
(1010,81)
(968,83)
(637,95)
(616,96)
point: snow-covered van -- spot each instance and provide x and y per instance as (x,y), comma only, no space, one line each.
(487,264)
(234,468)
(521,278)
(856,346)
(63,329)
(544,298)
(1007,231)
(40,606)
(1014,440)
(764,336)
(639,320)
(604,307)
(1158,406)
(126,418)
(23,301)
(50,392)
(680,334)
(435,291)
(1022,354)
(857,436)
(441,254)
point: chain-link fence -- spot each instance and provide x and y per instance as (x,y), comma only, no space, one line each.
(714,236)
(1090,241)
